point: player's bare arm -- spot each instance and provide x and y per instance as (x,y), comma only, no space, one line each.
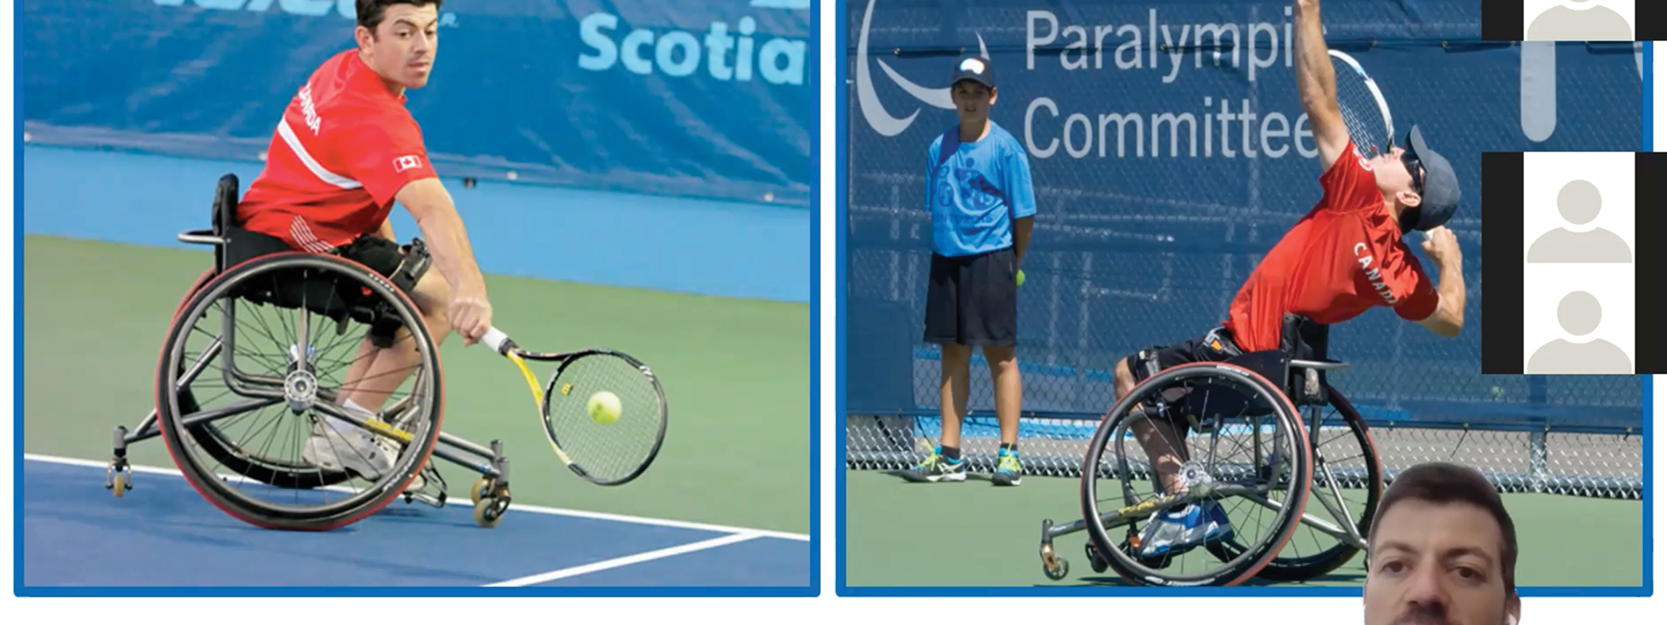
(386,230)
(431,205)
(1443,249)
(1317,83)
(1021,239)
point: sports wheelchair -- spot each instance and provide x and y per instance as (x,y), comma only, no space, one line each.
(1236,407)
(323,306)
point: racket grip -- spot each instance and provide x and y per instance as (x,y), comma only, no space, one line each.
(497,340)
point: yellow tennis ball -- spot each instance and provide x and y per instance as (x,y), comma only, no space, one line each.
(603,407)
(1021,277)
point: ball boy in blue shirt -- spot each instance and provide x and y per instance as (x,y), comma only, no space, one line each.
(979,193)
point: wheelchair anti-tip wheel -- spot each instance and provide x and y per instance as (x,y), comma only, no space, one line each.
(1055,566)
(257,358)
(1253,452)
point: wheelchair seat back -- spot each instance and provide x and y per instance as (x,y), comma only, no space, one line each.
(224,217)
(1301,338)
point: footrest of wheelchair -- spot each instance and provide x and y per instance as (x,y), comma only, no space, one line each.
(438,501)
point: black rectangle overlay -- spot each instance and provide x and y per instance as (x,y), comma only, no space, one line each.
(1502,254)
(1649,265)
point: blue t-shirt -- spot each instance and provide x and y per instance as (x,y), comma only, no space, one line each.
(975,191)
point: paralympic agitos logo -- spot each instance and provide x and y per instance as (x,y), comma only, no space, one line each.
(875,112)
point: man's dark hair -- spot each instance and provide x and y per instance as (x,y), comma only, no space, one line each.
(371,11)
(1447,483)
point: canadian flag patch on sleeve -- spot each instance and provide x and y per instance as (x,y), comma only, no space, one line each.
(409,161)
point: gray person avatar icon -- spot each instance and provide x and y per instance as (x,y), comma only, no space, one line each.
(1580,20)
(1579,203)
(1579,313)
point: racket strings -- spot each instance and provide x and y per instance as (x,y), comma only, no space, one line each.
(606,450)
(1362,112)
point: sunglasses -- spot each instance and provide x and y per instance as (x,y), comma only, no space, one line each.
(1415,167)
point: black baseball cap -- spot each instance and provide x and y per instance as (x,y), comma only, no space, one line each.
(974,68)
(1440,193)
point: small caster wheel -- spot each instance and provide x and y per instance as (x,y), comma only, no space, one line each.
(480,489)
(1055,567)
(118,479)
(489,511)
(1094,560)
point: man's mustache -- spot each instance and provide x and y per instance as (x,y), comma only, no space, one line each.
(1422,614)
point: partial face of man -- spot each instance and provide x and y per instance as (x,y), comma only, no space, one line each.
(1437,565)
(1395,174)
(405,45)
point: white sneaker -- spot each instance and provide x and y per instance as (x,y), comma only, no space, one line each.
(392,449)
(355,451)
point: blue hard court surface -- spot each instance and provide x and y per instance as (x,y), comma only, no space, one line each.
(163,533)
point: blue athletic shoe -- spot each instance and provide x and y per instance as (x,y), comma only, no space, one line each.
(1174,532)
(1008,469)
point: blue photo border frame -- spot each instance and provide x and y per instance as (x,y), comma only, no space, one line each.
(842,19)
(814,455)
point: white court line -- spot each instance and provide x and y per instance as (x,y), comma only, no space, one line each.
(627,560)
(454,501)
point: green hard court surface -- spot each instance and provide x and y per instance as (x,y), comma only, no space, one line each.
(736,375)
(974,533)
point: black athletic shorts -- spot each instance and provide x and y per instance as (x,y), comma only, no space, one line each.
(380,255)
(973,300)
(1214,346)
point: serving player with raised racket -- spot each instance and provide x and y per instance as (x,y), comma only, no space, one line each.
(1344,257)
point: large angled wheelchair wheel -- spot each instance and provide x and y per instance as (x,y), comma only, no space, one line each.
(235,458)
(1348,482)
(256,360)
(1248,458)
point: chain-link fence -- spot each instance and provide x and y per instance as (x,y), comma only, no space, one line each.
(1586,464)
(1144,237)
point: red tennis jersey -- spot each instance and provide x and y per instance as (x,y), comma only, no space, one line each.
(1341,259)
(345,146)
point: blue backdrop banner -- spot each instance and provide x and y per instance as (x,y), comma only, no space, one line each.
(656,96)
(1169,151)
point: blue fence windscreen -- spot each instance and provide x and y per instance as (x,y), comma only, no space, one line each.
(705,99)
(1168,152)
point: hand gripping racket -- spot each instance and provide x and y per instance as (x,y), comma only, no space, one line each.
(1365,112)
(604,412)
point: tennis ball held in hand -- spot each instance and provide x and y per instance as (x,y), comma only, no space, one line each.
(603,407)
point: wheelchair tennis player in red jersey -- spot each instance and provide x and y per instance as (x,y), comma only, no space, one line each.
(345,150)
(356,374)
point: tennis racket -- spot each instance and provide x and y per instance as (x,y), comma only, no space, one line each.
(605,451)
(1365,112)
